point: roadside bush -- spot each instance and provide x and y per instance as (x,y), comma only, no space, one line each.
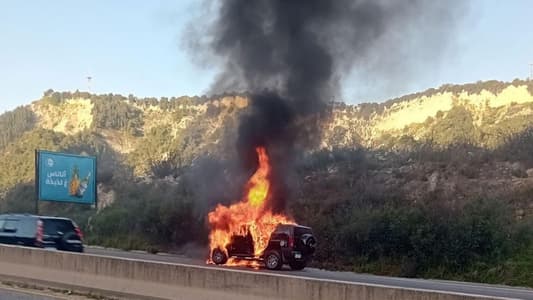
(419,240)
(19,199)
(149,217)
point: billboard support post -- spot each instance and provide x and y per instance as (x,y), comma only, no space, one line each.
(96,186)
(36,182)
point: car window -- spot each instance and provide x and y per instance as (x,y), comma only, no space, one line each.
(53,226)
(27,227)
(279,236)
(2,224)
(10,225)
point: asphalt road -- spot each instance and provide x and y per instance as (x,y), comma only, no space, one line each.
(435,285)
(13,294)
(19,292)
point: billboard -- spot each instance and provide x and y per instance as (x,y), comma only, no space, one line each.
(65,177)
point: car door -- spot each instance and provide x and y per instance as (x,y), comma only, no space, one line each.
(27,231)
(51,233)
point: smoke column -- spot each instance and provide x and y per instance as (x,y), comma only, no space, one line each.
(291,56)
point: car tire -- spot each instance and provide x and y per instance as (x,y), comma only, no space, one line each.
(297,265)
(309,242)
(273,260)
(219,257)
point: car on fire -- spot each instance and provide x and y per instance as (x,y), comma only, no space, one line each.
(288,244)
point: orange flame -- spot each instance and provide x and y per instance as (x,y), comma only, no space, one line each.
(258,185)
(249,216)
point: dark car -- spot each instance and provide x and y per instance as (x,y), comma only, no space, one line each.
(288,244)
(40,231)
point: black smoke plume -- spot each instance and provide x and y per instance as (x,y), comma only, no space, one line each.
(290,56)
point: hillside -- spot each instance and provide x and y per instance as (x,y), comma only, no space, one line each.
(155,138)
(484,114)
(163,163)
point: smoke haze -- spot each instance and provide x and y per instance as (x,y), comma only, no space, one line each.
(291,57)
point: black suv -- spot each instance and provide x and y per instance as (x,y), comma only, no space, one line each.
(40,231)
(288,244)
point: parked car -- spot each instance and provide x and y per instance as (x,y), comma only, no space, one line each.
(288,244)
(40,231)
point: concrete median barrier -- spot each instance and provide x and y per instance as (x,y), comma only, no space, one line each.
(154,280)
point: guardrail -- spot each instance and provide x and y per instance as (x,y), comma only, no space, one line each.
(156,280)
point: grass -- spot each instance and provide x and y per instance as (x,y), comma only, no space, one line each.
(126,243)
(516,271)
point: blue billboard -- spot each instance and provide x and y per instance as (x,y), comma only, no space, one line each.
(65,177)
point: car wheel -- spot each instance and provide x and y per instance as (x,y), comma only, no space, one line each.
(297,265)
(273,260)
(219,257)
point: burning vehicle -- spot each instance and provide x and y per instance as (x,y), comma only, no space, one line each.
(249,233)
(289,244)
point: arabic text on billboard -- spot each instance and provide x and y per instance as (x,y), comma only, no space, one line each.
(67,178)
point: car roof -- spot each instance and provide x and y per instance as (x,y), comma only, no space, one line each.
(294,225)
(16,215)
(33,216)
(54,218)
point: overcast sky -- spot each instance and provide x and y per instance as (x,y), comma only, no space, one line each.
(134,47)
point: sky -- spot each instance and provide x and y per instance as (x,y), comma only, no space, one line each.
(136,47)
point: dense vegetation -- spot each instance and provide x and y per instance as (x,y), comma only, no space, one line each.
(17,159)
(151,217)
(113,112)
(14,124)
(376,229)
(54,97)
(458,126)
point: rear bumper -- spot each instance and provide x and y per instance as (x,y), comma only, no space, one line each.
(75,246)
(292,256)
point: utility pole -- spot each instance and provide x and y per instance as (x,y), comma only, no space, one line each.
(89,78)
(531,71)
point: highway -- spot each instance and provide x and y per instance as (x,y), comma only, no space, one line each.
(505,292)
(10,293)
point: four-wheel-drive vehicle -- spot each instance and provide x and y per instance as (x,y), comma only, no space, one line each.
(40,231)
(288,244)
